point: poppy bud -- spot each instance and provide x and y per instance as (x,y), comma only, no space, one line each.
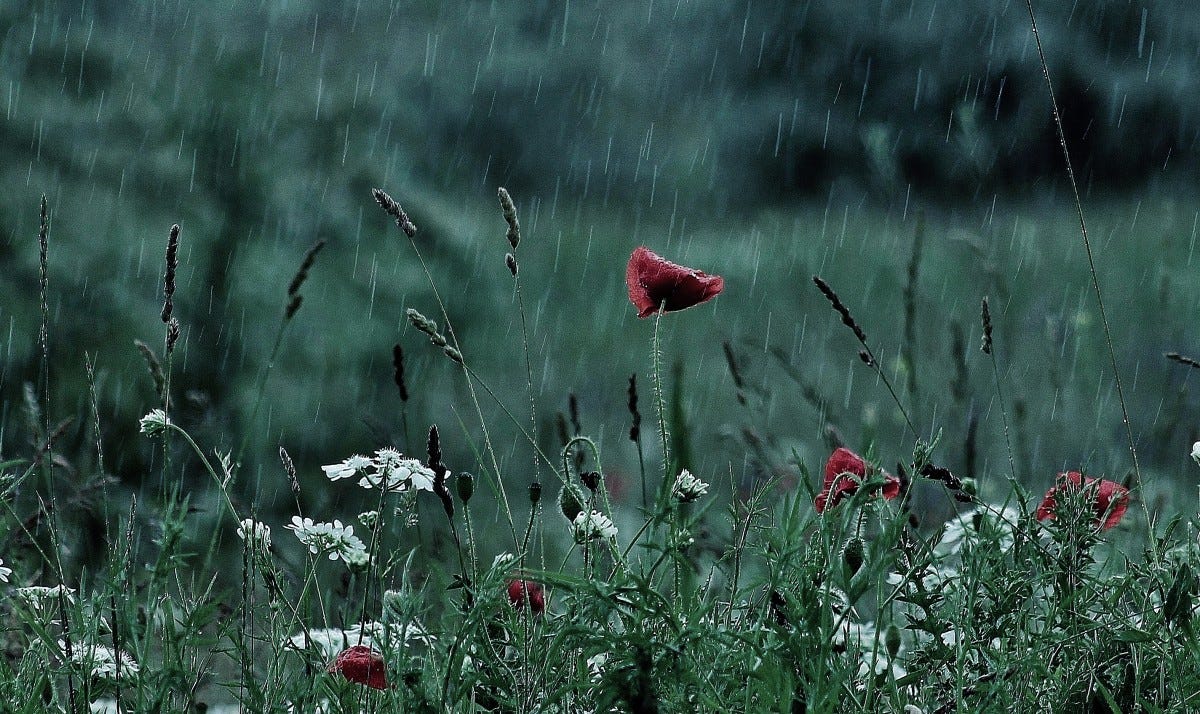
(891,640)
(853,555)
(465,485)
(569,502)
(591,479)
(535,492)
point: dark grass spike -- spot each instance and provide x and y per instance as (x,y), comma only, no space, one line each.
(734,372)
(173,331)
(847,319)
(1182,359)
(866,355)
(393,209)
(172,261)
(573,410)
(909,348)
(1087,246)
(310,257)
(986,317)
(398,371)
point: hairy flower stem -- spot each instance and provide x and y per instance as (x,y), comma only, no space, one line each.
(1087,246)
(656,358)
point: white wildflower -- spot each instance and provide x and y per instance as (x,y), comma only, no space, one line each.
(590,526)
(1196,452)
(985,523)
(256,532)
(100,660)
(394,472)
(155,422)
(595,665)
(334,539)
(688,488)
(4,572)
(40,597)
(348,468)
(376,635)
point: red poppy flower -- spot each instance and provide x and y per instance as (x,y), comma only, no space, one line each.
(1109,504)
(844,473)
(521,592)
(655,282)
(362,665)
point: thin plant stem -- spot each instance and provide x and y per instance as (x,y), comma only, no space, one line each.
(1087,246)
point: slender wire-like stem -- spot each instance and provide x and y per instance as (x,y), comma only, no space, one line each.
(660,404)
(1087,246)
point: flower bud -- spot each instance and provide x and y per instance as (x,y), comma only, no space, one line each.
(535,492)
(465,485)
(853,555)
(569,502)
(591,479)
(891,640)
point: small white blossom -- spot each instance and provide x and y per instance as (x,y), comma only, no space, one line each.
(40,597)
(503,561)
(101,660)
(1196,452)
(688,488)
(334,539)
(590,526)
(258,533)
(4,572)
(348,468)
(155,422)
(394,472)
(369,519)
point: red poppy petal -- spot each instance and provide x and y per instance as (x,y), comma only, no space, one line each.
(844,461)
(654,282)
(891,487)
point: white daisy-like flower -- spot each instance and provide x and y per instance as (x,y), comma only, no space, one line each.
(100,660)
(40,597)
(334,539)
(348,468)
(590,526)
(258,533)
(688,488)
(154,422)
(396,473)
(983,523)
(4,572)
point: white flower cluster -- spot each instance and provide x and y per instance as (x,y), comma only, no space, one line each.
(388,469)
(334,539)
(257,533)
(40,597)
(154,422)
(100,660)
(985,523)
(593,525)
(4,572)
(688,488)
(328,643)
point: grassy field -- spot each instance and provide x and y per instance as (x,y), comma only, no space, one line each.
(137,573)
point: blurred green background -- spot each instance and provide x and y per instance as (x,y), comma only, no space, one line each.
(762,141)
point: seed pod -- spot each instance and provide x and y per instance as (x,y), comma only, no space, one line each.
(853,555)
(465,485)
